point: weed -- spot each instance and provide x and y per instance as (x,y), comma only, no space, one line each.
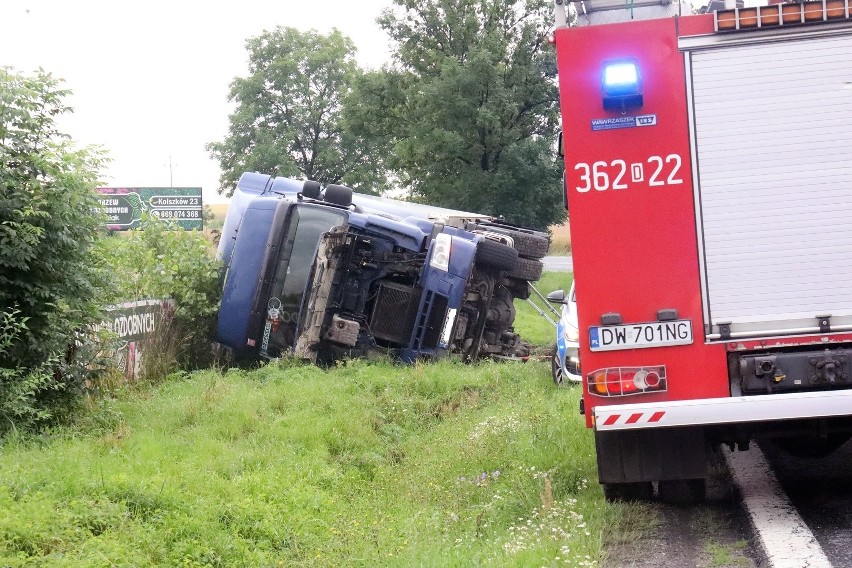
(727,555)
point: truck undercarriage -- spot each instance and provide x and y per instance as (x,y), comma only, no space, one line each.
(365,299)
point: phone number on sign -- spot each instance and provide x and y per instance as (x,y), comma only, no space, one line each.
(177,213)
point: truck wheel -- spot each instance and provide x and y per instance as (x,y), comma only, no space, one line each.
(528,242)
(635,491)
(528,269)
(338,195)
(811,446)
(682,491)
(496,255)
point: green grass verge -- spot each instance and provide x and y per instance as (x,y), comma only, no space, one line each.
(367,464)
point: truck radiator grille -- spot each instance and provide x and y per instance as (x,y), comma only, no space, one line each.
(394,312)
(437,317)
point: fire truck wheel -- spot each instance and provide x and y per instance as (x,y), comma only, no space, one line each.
(682,491)
(636,491)
(529,243)
(528,269)
(811,446)
(496,255)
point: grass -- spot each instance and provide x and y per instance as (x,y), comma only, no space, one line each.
(367,464)
(726,555)
(364,465)
(532,326)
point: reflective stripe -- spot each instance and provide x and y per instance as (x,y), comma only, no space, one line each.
(762,408)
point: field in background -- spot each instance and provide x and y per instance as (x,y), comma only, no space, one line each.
(219,210)
(561,239)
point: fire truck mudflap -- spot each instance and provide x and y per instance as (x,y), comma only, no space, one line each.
(708,179)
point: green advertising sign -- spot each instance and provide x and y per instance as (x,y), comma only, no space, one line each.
(124,206)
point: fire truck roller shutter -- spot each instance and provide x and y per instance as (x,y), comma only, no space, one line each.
(773,138)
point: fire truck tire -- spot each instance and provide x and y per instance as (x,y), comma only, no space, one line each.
(636,491)
(496,255)
(528,242)
(682,491)
(811,446)
(529,269)
(338,195)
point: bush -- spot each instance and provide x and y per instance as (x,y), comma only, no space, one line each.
(160,260)
(51,283)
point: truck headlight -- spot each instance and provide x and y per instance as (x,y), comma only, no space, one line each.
(441,252)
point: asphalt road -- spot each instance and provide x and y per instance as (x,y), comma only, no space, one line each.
(558,263)
(821,491)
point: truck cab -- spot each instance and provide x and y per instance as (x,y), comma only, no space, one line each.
(326,274)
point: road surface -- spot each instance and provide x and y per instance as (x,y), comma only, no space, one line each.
(558,263)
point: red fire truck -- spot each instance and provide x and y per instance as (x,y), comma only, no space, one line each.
(708,175)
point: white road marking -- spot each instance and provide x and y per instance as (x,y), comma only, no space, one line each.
(786,540)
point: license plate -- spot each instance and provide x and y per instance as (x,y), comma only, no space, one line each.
(640,335)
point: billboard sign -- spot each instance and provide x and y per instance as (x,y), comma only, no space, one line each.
(124,206)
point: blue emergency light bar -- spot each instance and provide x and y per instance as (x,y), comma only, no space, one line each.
(621,85)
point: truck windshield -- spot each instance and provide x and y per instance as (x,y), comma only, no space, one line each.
(298,248)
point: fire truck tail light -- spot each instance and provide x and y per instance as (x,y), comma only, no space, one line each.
(621,85)
(625,381)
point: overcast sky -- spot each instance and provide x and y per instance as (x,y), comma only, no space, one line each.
(150,79)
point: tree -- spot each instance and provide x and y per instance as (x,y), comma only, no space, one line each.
(288,116)
(50,280)
(469,106)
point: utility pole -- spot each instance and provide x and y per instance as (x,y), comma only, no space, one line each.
(171,166)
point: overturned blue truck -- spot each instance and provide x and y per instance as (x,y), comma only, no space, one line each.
(324,274)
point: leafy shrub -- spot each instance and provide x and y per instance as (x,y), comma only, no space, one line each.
(50,281)
(160,260)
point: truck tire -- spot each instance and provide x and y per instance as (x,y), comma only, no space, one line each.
(496,255)
(338,195)
(528,242)
(682,491)
(529,269)
(635,491)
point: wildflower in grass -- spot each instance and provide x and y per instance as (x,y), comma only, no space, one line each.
(495,426)
(558,523)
